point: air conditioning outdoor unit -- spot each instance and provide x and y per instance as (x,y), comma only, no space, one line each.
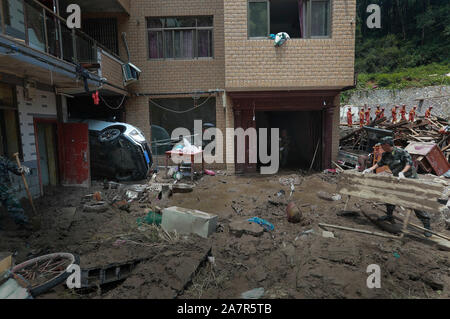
(131,73)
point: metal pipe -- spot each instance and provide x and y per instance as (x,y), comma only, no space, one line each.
(181,93)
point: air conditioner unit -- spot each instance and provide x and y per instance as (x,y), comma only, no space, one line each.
(131,73)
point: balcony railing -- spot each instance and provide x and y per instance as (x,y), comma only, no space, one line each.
(33,24)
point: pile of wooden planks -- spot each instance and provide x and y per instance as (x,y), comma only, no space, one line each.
(418,194)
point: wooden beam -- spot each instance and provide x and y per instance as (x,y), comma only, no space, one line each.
(410,193)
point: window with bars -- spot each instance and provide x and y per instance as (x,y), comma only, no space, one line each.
(180,37)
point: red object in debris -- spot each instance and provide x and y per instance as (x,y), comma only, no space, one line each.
(429,157)
(96,98)
(208,172)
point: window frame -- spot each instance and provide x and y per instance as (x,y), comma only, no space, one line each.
(306,21)
(248,19)
(14,107)
(195,30)
(307,7)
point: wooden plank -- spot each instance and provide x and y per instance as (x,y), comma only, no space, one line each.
(410,193)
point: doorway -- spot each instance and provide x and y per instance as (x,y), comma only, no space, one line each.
(47,152)
(302,137)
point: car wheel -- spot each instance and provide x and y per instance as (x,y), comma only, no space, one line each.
(109,135)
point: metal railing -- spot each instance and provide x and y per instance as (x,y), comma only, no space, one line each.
(30,22)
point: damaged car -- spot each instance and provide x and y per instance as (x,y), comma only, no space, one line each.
(118,151)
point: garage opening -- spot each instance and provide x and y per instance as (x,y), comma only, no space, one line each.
(168,114)
(300,135)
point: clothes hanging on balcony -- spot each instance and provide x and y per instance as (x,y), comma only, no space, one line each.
(280,38)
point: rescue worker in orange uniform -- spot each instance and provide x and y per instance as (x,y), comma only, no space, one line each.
(382,113)
(412,114)
(394,114)
(361,117)
(428,112)
(349,117)
(377,113)
(403,112)
(368,116)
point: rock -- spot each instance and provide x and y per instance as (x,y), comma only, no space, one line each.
(447,224)
(240,227)
(253,294)
(327,234)
(327,196)
(433,283)
(294,215)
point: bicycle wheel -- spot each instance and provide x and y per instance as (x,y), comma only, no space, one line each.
(45,272)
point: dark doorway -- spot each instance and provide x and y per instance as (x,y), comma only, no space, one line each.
(304,133)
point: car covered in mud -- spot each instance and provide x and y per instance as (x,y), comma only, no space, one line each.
(118,151)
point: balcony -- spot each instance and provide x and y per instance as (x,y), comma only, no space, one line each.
(36,43)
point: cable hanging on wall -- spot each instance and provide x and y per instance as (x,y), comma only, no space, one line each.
(180,112)
(111,107)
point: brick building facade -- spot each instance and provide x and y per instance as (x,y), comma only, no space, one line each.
(258,80)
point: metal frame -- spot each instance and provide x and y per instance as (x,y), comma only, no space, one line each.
(195,30)
(268,19)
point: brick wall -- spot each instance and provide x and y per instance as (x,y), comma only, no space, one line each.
(174,75)
(299,63)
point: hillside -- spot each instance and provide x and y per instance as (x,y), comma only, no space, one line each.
(412,48)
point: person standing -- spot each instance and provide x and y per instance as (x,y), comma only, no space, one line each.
(368,116)
(394,114)
(349,117)
(7,197)
(401,165)
(412,114)
(428,112)
(403,112)
(361,117)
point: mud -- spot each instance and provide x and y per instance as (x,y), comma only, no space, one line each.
(292,261)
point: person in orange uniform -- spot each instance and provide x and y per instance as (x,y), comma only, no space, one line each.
(368,116)
(412,114)
(349,117)
(403,112)
(394,114)
(361,117)
(382,113)
(428,112)
(377,113)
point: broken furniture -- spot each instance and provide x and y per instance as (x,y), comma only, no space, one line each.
(191,156)
(429,157)
(188,221)
(420,194)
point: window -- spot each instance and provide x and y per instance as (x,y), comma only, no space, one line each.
(298,18)
(180,37)
(9,122)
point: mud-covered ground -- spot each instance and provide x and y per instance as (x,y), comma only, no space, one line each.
(285,262)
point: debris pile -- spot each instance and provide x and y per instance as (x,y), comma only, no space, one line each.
(418,137)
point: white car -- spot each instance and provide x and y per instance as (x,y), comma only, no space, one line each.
(118,151)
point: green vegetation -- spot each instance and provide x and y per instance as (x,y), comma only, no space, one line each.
(412,48)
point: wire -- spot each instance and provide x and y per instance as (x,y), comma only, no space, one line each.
(180,112)
(113,108)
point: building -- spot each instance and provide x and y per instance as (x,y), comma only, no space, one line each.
(190,51)
(47,69)
(205,59)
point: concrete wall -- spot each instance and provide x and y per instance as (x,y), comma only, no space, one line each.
(299,63)
(436,96)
